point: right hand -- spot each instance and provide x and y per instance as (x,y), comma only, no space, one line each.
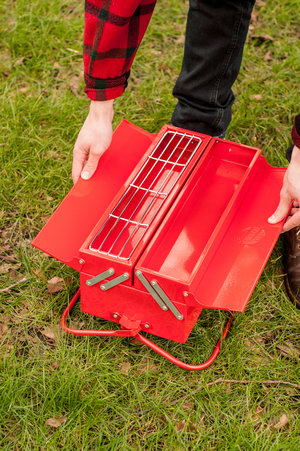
(93,139)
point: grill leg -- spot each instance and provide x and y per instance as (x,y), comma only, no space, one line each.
(98,333)
(178,362)
(135,333)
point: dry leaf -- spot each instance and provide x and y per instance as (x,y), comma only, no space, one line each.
(180,425)
(136,342)
(288,349)
(54,365)
(188,405)
(125,367)
(147,366)
(283,421)
(262,37)
(256,97)
(55,284)
(49,333)
(20,60)
(269,56)
(3,329)
(56,422)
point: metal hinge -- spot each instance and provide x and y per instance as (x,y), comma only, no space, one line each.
(159,295)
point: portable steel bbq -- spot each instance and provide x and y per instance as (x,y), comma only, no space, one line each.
(169,224)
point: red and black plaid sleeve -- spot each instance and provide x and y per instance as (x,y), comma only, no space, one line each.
(113,31)
(296,131)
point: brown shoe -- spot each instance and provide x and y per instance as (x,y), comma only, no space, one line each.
(291,240)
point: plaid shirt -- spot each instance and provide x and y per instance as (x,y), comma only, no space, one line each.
(113,31)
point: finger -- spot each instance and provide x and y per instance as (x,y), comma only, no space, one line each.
(291,222)
(79,159)
(91,165)
(281,211)
(294,211)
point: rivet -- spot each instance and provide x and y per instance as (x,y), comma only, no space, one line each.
(81,261)
(180,317)
(185,294)
(165,308)
(146,326)
(111,271)
(103,287)
(153,283)
(88,283)
(114,315)
(126,275)
(138,273)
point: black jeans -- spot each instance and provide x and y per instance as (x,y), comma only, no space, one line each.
(215,35)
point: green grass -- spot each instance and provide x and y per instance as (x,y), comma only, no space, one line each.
(110,393)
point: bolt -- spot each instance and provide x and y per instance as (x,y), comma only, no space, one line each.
(126,275)
(81,261)
(88,283)
(165,308)
(146,326)
(103,287)
(111,271)
(185,294)
(153,283)
(138,273)
(180,317)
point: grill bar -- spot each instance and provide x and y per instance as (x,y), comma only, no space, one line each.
(145,194)
(159,174)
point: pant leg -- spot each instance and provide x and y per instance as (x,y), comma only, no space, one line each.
(215,35)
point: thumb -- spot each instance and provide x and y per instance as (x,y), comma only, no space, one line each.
(281,211)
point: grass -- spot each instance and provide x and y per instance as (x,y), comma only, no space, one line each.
(110,394)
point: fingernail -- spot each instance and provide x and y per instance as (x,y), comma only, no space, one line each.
(85,175)
(272,219)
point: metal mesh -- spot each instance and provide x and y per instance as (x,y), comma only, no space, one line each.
(129,220)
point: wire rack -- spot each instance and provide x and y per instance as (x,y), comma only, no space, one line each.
(133,214)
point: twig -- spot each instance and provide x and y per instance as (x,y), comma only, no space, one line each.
(236,381)
(4,290)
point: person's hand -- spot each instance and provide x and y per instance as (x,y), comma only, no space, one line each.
(93,139)
(289,194)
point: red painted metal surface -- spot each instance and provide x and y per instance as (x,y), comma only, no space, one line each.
(170,224)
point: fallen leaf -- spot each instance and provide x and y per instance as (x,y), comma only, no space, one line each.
(147,366)
(289,349)
(55,285)
(269,56)
(188,405)
(20,60)
(51,332)
(180,426)
(136,342)
(262,37)
(256,96)
(283,421)
(3,329)
(54,365)
(56,422)
(125,367)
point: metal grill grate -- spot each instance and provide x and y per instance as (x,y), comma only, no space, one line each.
(126,225)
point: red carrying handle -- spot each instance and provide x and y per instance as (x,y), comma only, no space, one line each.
(135,333)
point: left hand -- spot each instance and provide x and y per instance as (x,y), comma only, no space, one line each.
(289,194)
